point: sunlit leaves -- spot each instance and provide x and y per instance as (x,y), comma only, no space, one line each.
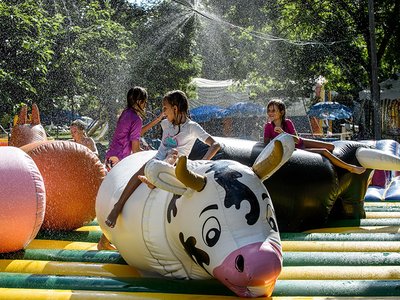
(27,38)
(83,55)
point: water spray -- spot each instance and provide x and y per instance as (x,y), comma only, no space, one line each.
(194,9)
(257,34)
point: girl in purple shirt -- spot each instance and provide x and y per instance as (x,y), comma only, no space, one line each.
(277,123)
(179,134)
(128,130)
(126,139)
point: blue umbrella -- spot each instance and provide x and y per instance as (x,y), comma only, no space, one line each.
(206,113)
(330,111)
(245,109)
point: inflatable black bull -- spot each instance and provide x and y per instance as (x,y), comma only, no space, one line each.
(307,190)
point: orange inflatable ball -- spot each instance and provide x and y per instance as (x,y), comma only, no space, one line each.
(22,199)
(72,175)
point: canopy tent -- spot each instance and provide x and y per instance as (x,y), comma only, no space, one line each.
(296,107)
(206,113)
(390,89)
(216,92)
(390,105)
(244,109)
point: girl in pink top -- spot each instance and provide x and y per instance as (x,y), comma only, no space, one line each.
(271,130)
(277,123)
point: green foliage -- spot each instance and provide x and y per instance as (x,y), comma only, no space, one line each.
(165,58)
(96,50)
(27,38)
(284,45)
(83,55)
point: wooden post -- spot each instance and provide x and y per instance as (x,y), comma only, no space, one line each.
(375,89)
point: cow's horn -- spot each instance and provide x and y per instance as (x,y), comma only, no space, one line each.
(189,178)
(23,115)
(35,115)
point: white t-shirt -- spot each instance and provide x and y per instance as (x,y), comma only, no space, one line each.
(182,141)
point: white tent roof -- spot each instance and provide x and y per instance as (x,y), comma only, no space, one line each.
(202,82)
(296,108)
(390,89)
(216,92)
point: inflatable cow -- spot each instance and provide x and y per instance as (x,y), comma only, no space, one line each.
(205,219)
(307,191)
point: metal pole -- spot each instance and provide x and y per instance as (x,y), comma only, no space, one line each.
(375,90)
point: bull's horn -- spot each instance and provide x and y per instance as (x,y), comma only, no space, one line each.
(35,115)
(274,155)
(189,178)
(377,159)
(23,115)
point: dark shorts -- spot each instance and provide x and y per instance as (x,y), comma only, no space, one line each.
(300,144)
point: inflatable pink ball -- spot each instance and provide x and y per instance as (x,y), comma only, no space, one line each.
(22,199)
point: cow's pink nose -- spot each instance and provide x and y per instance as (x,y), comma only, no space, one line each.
(252,266)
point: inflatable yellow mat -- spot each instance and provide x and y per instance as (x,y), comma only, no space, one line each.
(3,141)
(346,259)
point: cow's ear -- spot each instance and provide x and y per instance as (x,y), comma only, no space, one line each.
(23,115)
(35,115)
(162,175)
(273,156)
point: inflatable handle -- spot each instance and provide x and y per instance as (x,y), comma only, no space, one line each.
(377,159)
(162,175)
(274,155)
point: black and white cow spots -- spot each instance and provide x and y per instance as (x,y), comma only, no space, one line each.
(199,256)
(233,187)
(236,192)
(172,209)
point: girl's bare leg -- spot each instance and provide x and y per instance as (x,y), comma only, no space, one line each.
(132,185)
(337,161)
(309,143)
(146,181)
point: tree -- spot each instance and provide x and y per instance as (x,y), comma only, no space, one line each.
(92,59)
(165,57)
(27,38)
(284,45)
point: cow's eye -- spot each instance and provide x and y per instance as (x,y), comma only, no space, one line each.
(211,231)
